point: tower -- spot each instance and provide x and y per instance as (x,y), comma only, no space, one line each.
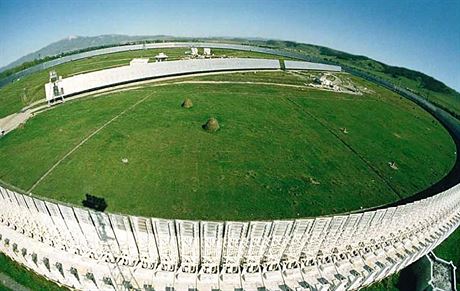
(54,90)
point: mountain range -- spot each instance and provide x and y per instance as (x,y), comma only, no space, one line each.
(73,43)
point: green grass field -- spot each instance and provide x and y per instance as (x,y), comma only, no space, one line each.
(282,145)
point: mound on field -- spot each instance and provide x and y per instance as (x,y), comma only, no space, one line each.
(187,103)
(212,125)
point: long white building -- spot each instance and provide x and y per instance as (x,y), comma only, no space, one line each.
(144,71)
(301,65)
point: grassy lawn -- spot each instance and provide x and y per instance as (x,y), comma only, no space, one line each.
(283,145)
(16,95)
(337,113)
(24,277)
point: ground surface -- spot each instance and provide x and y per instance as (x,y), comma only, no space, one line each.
(283,145)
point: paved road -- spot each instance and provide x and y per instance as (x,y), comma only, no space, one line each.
(12,121)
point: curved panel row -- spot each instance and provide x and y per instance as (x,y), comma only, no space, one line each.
(300,65)
(125,74)
(91,250)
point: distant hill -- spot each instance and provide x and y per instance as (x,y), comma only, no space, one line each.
(74,43)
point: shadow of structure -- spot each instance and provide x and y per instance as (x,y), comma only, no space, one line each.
(93,202)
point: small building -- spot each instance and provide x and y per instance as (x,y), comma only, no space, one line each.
(194,51)
(54,90)
(53,76)
(139,61)
(207,52)
(161,57)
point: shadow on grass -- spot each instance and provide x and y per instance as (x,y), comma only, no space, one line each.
(93,202)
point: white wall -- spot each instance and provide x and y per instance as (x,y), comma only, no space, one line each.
(109,77)
(298,65)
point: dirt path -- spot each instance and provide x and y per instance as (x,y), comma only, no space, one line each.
(260,83)
(14,120)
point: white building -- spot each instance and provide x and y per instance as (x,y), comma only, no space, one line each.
(194,51)
(54,91)
(124,74)
(161,57)
(207,52)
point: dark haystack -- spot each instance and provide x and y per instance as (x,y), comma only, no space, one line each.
(212,125)
(187,103)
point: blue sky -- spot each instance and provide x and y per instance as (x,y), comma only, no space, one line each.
(418,34)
